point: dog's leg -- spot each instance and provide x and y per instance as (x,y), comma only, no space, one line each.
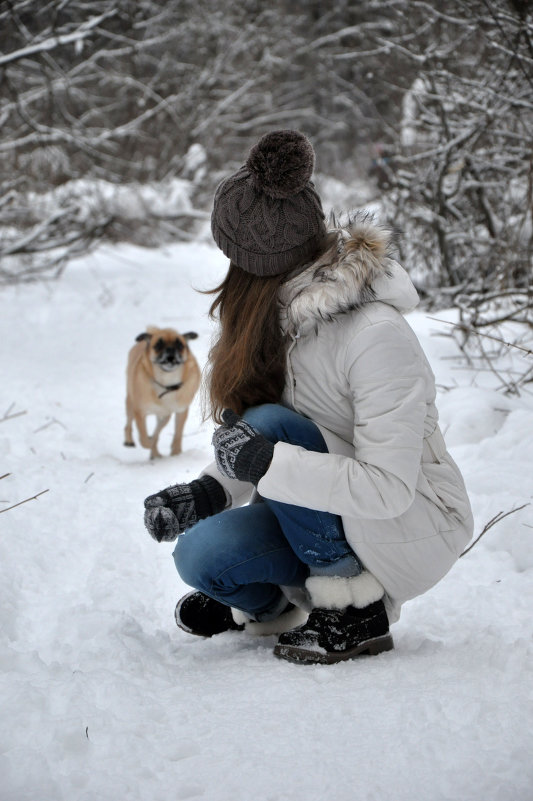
(161,423)
(140,420)
(128,432)
(179,422)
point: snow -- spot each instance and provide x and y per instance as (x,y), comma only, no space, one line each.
(103,697)
(130,201)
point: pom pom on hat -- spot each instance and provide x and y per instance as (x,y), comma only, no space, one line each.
(281,163)
(267,217)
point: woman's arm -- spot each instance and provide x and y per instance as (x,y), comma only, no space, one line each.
(387,384)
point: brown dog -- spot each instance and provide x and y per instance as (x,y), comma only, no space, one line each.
(162,378)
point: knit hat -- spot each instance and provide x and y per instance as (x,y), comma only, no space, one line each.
(267,217)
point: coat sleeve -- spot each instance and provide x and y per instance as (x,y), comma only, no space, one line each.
(237,492)
(387,387)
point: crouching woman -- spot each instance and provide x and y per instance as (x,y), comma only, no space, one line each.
(332,499)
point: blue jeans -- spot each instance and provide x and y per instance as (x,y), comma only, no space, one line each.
(240,557)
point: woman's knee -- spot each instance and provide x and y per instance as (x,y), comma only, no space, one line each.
(192,553)
(267,419)
(280,424)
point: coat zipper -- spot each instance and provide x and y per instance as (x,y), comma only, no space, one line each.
(292,380)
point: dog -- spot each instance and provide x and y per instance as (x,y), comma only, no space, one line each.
(162,378)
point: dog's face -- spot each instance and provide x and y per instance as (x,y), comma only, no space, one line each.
(166,348)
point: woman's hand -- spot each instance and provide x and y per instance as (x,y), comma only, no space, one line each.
(240,451)
(175,509)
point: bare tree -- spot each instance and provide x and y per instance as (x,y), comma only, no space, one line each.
(120,92)
(464,164)
(432,98)
(463,175)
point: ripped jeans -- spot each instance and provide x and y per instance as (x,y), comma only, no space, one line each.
(242,556)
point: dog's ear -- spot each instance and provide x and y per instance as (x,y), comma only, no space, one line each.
(190,335)
(143,337)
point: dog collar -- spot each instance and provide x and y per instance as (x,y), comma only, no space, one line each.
(170,388)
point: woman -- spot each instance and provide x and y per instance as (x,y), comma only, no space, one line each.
(329,428)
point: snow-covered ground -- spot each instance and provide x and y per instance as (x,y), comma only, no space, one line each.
(103,698)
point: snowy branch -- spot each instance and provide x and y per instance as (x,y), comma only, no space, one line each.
(85,29)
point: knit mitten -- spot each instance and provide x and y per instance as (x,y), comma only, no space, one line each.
(175,509)
(240,451)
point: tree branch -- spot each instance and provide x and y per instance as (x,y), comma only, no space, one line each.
(33,498)
(491,523)
(470,329)
(56,41)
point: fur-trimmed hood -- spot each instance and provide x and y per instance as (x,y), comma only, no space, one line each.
(356,268)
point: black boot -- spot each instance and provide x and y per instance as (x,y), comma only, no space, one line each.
(333,635)
(199,614)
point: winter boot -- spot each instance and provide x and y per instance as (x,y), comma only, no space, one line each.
(348,619)
(199,614)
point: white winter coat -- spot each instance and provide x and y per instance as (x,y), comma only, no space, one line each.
(356,368)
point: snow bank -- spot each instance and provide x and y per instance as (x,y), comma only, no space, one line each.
(129,201)
(103,697)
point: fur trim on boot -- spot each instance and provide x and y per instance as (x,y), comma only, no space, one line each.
(334,592)
(289,619)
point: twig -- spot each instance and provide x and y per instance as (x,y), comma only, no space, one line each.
(464,327)
(8,416)
(33,498)
(510,387)
(5,476)
(491,523)
(51,422)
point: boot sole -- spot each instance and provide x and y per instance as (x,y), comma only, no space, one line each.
(205,635)
(179,623)
(304,657)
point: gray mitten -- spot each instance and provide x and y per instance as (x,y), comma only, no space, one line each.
(175,509)
(240,451)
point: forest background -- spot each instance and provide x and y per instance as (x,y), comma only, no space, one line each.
(424,106)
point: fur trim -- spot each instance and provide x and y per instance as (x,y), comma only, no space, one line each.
(285,622)
(335,592)
(341,279)
(239,617)
(297,596)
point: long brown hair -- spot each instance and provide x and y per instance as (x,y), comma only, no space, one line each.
(246,365)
